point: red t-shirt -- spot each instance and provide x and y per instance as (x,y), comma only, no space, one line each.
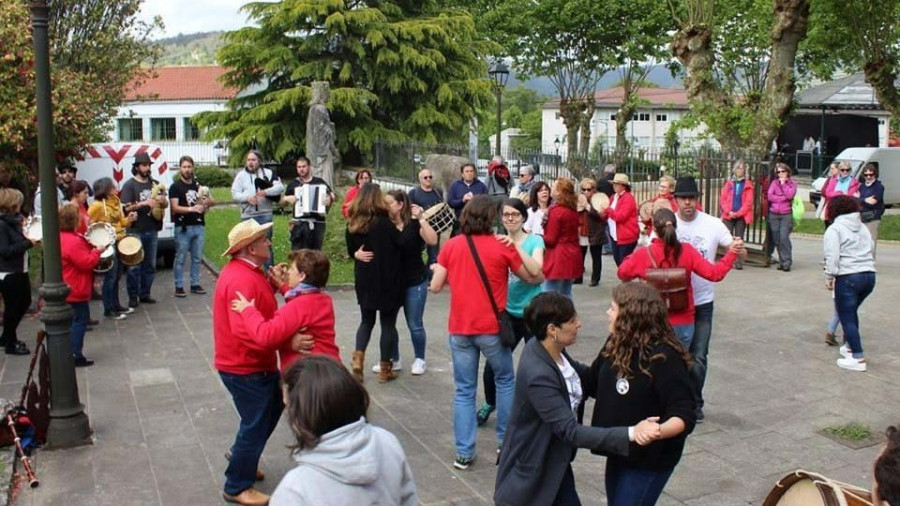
(470,309)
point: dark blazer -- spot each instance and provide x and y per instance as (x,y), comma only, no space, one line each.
(13,243)
(543,434)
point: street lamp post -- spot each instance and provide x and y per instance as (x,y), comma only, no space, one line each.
(499,74)
(557,143)
(69,425)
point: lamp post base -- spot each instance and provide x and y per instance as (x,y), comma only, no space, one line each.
(69,432)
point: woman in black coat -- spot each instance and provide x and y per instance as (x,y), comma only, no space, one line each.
(374,242)
(543,432)
(15,285)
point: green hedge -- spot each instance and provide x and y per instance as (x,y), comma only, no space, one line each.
(213,176)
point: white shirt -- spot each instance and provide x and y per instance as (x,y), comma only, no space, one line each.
(573,382)
(706,234)
(610,223)
(535,222)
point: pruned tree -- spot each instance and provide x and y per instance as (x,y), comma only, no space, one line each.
(397,70)
(739,61)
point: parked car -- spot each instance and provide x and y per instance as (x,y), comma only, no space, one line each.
(886,159)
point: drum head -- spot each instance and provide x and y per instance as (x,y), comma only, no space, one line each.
(599,201)
(433,210)
(661,204)
(34,230)
(108,252)
(100,235)
(646,211)
(129,245)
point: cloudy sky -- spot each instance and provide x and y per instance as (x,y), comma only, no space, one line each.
(190,16)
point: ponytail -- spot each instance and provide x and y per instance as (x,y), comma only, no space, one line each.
(664,224)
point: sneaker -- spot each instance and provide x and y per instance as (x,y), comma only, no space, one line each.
(852,364)
(198,290)
(845,351)
(396,366)
(124,310)
(146,299)
(418,367)
(115,316)
(831,339)
(463,462)
(179,292)
(698,415)
(484,412)
(83,362)
(133,302)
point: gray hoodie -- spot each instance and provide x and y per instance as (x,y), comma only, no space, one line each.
(358,464)
(848,247)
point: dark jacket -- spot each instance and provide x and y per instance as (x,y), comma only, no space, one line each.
(877,191)
(13,244)
(378,283)
(542,433)
(457,191)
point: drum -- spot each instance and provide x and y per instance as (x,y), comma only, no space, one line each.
(661,204)
(599,201)
(131,251)
(645,211)
(440,217)
(100,235)
(33,229)
(802,488)
(107,259)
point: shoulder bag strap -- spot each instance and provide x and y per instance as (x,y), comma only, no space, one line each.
(650,254)
(484,279)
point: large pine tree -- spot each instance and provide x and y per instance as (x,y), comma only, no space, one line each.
(397,70)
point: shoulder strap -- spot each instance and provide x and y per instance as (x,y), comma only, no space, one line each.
(650,254)
(484,279)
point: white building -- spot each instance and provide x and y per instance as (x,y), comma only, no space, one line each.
(160,111)
(647,129)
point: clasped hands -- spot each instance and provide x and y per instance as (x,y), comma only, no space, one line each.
(300,342)
(647,431)
(737,247)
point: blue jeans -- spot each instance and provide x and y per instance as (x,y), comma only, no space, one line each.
(563,286)
(703,315)
(257,398)
(413,310)
(620,251)
(188,240)
(262,220)
(629,486)
(685,334)
(81,315)
(834,322)
(850,290)
(110,289)
(465,352)
(140,277)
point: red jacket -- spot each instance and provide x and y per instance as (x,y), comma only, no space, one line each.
(746,210)
(562,258)
(234,349)
(626,218)
(312,312)
(78,261)
(345,207)
(636,264)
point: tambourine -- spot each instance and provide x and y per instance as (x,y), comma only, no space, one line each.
(599,201)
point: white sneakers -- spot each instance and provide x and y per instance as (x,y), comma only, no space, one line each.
(848,362)
(418,367)
(845,351)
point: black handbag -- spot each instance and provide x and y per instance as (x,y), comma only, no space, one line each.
(867,216)
(507,334)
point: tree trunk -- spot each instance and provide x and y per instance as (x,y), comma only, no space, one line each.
(881,75)
(584,142)
(571,110)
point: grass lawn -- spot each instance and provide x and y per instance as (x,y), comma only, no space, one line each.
(220,220)
(890,227)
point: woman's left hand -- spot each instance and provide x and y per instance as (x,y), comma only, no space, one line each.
(505,239)
(241,303)
(871,201)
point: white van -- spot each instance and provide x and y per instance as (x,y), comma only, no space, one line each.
(886,159)
(115,160)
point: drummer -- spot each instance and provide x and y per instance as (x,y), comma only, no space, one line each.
(107,208)
(426,196)
(79,258)
(591,230)
(666,187)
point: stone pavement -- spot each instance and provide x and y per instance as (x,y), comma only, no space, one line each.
(162,420)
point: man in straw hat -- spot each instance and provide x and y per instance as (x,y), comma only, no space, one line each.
(249,373)
(622,220)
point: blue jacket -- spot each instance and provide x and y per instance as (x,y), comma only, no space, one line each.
(877,191)
(459,188)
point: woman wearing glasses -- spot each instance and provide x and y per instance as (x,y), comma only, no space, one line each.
(842,184)
(871,200)
(781,221)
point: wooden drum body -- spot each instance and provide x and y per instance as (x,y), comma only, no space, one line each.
(131,251)
(440,217)
(803,488)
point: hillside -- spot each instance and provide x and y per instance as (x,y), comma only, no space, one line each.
(190,49)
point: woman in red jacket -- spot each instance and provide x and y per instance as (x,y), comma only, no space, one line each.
(79,258)
(736,202)
(622,219)
(563,263)
(363,176)
(668,252)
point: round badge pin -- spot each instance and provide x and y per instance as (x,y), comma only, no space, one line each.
(622,386)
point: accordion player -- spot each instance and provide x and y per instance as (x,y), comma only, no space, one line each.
(310,201)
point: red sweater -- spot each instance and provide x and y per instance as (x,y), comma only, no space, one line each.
(312,312)
(562,258)
(234,352)
(636,264)
(78,261)
(626,218)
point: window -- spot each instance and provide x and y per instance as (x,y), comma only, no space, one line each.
(191,131)
(662,117)
(644,116)
(612,117)
(162,129)
(131,129)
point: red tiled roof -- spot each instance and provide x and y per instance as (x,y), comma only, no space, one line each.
(659,97)
(183,83)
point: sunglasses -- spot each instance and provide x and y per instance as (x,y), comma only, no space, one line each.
(586,189)
(427,177)
(869,175)
(523,175)
(845,170)
(781,171)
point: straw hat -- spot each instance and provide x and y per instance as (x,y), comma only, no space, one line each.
(243,234)
(621,179)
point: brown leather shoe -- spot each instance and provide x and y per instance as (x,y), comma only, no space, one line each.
(386,373)
(249,497)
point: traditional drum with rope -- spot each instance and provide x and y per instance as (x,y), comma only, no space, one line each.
(107,259)
(803,488)
(440,217)
(645,211)
(131,251)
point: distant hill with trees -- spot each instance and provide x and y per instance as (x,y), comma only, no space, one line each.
(190,49)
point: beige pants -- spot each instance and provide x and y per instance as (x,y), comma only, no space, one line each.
(873,229)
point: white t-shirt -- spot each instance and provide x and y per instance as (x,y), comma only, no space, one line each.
(706,234)
(534,223)
(573,382)
(610,223)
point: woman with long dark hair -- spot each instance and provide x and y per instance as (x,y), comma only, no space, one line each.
(539,201)
(15,285)
(562,261)
(643,359)
(373,241)
(666,251)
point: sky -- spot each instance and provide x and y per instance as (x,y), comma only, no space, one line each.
(191,16)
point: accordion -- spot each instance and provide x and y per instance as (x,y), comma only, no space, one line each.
(310,201)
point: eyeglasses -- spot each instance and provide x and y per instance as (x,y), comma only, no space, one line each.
(427,177)
(781,171)
(845,170)
(869,175)
(586,189)
(512,216)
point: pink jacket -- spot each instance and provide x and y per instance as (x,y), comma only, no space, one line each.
(829,189)
(781,195)
(746,210)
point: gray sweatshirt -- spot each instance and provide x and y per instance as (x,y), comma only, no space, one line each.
(355,464)
(244,187)
(848,247)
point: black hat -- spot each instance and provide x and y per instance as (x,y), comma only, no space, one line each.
(686,186)
(141,158)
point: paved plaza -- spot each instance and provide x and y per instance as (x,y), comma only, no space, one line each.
(162,420)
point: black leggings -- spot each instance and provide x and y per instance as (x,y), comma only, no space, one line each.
(389,336)
(596,260)
(490,389)
(16,291)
